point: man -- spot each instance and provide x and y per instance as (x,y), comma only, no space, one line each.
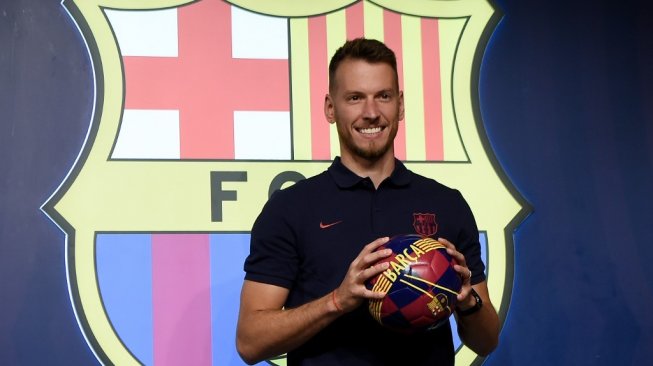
(314,244)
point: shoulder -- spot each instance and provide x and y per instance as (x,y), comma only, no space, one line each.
(431,185)
(433,191)
(303,188)
(298,194)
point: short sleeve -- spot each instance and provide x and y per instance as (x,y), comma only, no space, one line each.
(467,241)
(273,254)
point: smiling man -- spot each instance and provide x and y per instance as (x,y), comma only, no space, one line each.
(315,244)
(366,105)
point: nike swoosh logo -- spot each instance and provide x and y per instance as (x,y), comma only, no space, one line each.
(324,226)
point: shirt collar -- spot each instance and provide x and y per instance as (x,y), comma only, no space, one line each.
(345,178)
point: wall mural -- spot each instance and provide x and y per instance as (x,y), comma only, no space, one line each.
(203,109)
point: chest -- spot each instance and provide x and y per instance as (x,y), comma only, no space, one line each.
(339,224)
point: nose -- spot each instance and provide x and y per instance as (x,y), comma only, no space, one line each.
(370,110)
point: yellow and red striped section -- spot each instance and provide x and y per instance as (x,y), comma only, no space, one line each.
(425,49)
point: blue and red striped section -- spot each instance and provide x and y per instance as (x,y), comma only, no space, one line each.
(173,298)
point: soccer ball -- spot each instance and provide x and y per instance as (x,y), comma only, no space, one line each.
(421,285)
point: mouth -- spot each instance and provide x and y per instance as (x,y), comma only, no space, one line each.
(370,130)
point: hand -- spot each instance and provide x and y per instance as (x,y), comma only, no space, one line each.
(352,291)
(463,271)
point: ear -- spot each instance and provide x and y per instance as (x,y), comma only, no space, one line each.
(329,111)
(401,105)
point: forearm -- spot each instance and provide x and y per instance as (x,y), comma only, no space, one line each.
(480,331)
(268,333)
(265,330)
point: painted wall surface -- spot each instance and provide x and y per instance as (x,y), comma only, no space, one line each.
(562,94)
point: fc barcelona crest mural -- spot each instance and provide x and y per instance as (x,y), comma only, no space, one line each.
(202,109)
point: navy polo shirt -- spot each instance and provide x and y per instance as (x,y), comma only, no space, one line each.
(308,234)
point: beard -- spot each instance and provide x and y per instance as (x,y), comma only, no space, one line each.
(372,151)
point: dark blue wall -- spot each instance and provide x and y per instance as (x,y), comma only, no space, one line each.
(45,109)
(566,97)
(568,106)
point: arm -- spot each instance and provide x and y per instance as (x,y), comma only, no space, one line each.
(265,329)
(478,331)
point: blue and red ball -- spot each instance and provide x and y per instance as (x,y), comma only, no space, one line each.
(421,285)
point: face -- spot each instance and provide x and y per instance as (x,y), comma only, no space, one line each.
(366,107)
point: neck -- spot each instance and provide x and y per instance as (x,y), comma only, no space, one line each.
(377,170)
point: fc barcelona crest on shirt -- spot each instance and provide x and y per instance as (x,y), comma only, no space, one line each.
(202,108)
(424,224)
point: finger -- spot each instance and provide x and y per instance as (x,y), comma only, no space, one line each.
(374,257)
(464,272)
(362,260)
(453,251)
(464,292)
(374,270)
(369,254)
(375,244)
(373,295)
(446,242)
